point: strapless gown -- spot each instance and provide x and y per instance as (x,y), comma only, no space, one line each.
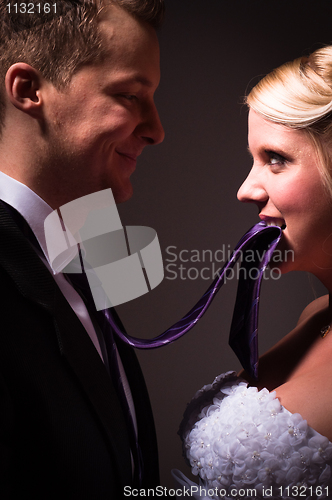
(243,444)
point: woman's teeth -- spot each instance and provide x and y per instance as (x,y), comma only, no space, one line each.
(277,223)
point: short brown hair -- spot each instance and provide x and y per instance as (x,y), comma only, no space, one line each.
(59,36)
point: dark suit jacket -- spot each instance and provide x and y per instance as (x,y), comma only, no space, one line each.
(62,431)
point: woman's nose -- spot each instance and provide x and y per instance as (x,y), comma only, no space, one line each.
(252,190)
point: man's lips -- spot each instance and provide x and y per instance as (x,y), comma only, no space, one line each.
(273,221)
(131,156)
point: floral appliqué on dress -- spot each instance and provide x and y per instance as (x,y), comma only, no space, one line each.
(236,437)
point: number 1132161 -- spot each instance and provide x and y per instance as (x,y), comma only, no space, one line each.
(31,8)
(304,491)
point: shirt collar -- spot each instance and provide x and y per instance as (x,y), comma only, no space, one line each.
(32,208)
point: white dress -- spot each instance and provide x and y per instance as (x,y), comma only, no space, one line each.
(243,444)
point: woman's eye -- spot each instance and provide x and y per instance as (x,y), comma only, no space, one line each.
(275,158)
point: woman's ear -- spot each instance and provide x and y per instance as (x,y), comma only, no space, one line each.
(22,85)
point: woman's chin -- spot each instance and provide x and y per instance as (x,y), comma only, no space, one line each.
(282,267)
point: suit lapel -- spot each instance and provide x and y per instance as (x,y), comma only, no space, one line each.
(35,282)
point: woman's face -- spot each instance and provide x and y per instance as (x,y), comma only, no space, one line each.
(286,185)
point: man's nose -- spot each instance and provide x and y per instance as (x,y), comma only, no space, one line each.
(151,129)
(252,190)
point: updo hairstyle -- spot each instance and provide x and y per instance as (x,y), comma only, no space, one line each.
(298,95)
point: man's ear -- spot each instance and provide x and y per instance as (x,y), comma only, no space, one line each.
(23,84)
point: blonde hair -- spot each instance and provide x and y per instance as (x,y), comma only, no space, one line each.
(298,95)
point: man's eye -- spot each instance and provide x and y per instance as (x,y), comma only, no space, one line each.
(129,97)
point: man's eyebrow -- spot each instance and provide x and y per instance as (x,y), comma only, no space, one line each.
(144,81)
(133,79)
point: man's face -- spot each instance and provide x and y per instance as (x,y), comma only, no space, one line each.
(106,116)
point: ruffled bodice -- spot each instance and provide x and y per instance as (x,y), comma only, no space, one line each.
(237,438)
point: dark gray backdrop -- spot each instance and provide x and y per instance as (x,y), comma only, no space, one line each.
(211,50)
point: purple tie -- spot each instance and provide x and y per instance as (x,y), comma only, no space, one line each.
(262,240)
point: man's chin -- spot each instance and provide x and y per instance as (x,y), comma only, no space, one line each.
(123,194)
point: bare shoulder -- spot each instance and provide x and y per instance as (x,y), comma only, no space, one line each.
(308,387)
(310,396)
(296,351)
(313,308)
